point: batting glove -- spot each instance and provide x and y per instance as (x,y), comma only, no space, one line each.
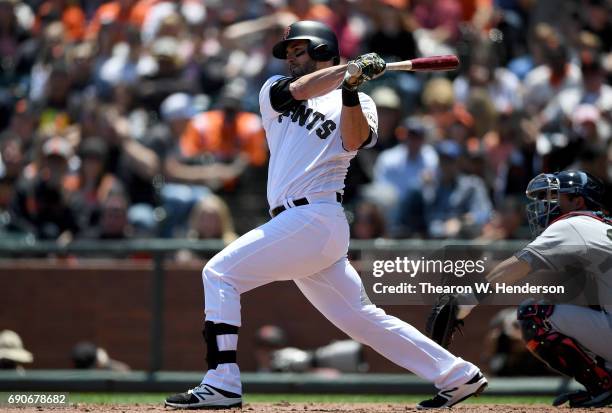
(371,66)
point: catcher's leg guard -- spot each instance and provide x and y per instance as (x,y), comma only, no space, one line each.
(560,352)
(214,357)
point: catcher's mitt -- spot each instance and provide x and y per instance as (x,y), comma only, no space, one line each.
(443,322)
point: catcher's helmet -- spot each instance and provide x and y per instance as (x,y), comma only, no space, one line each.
(322,46)
(544,192)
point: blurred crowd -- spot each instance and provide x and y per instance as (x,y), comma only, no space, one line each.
(139,118)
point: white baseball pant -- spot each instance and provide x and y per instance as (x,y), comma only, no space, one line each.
(308,244)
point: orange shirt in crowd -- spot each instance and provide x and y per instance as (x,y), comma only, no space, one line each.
(73,20)
(114,11)
(469,7)
(318,12)
(208,132)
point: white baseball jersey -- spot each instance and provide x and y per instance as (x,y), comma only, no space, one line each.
(306,152)
(577,242)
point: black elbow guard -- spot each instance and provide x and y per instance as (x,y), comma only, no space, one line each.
(281,98)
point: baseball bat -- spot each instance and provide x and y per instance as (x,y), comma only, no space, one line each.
(420,64)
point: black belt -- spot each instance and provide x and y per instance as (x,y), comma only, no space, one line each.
(299,202)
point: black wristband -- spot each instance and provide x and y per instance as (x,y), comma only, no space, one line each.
(350,98)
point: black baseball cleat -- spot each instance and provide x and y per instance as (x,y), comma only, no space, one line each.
(582,398)
(204,396)
(450,397)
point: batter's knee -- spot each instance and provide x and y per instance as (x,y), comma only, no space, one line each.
(210,274)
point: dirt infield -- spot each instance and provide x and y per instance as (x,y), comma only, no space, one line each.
(311,407)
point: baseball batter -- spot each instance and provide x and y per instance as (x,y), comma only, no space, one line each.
(572,235)
(313,128)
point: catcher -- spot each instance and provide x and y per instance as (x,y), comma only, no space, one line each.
(567,218)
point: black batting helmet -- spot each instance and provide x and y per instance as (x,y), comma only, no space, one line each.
(322,41)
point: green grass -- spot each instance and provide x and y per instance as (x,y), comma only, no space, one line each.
(132,398)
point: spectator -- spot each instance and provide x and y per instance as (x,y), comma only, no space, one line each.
(118,71)
(593,91)
(165,74)
(557,74)
(596,19)
(70,14)
(503,87)
(585,123)
(214,151)
(89,188)
(508,222)
(113,222)
(392,37)
(310,10)
(441,17)
(40,203)
(12,353)
(369,222)
(11,165)
(24,124)
(439,101)
(12,35)
(86,355)
(80,66)
(12,158)
(389,105)
(405,167)
(56,115)
(452,205)
(211,219)
(120,13)
(268,339)
(347,26)
(227,133)
(499,142)
(483,112)
(177,197)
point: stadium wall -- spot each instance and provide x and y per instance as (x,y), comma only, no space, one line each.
(53,304)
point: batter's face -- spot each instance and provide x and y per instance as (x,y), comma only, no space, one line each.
(299,61)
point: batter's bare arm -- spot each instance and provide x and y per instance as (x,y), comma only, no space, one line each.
(354,127)
(317,83)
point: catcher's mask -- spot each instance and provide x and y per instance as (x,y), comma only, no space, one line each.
(544,191)
(322,41)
